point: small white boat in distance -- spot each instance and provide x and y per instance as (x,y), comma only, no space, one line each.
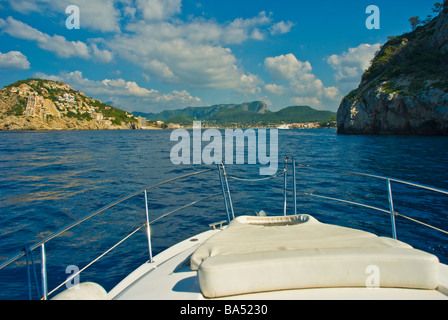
(273,258)
(283,126)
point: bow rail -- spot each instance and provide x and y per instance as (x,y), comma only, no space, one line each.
(27,251)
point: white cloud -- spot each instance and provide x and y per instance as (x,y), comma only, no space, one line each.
(57,44)
(104,56)
(331,92)
(181,98)
(125,93)
(287,67)
(193,53)
(159,9)
(257,35)
(249,83)
(350,65)
(98,15)
(118,86)
(14,60)
(199,30)
(160,70)
(275,89)
(241,30)
(27,6)
(302,86)
(190,54)
(181,62)
(281,27)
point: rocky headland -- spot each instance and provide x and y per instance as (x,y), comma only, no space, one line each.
(37,104)
(405,90)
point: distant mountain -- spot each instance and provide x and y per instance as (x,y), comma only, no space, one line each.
(37,104)
(301,114)
(203,113)
(256,112)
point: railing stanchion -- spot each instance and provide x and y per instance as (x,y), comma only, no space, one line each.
(223,192)
(44,272)
(148,228)
(392,211)
(224,179)
(228,191)
(294,185)
(284,185)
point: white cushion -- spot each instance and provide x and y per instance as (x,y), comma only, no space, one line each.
(257,254)
(316,268)
(260,234)
(83,291)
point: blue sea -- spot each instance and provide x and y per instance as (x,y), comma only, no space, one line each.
(51,179)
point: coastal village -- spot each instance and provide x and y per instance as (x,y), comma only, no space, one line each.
(145,124)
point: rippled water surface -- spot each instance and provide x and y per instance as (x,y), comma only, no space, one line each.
(50,179)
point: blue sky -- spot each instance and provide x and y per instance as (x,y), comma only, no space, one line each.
(152,55)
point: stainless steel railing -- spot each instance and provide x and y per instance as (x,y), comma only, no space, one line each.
(392,212)
(388,180)
(41,244)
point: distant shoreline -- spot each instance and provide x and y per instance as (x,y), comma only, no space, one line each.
(144,129)
(26,123)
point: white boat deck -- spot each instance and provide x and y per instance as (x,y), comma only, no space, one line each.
(169,277)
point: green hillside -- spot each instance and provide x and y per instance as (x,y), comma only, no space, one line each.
(249,114)
(301,114)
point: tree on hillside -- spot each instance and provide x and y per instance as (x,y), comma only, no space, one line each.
(437,8)
(415,22)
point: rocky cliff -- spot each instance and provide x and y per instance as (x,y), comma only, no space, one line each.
(36,104)
(405,90)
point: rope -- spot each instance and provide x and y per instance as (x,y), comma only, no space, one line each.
(185,206)
(346,201)
(261,179)
(375,208)
(422,223)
